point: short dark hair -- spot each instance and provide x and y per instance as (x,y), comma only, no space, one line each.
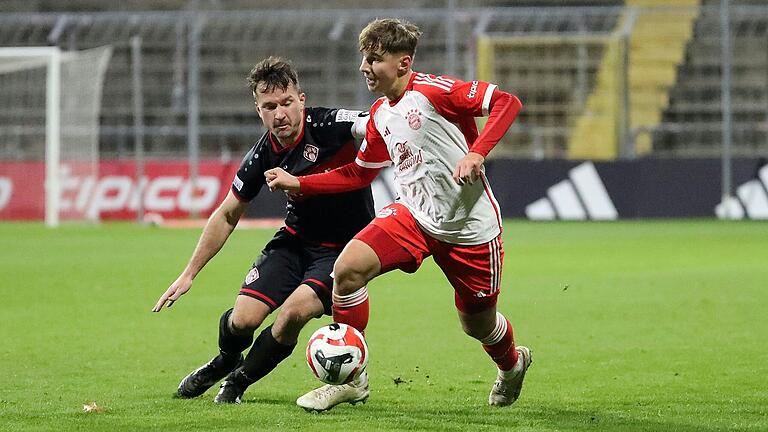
(389,36)
(272,73)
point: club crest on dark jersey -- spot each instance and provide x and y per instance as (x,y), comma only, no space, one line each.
(310,153)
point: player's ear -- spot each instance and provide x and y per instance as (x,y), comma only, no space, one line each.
(256,102)
(302,98)
(258,112)
(404,65)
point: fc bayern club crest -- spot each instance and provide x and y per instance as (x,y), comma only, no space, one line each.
(310,153)
(414,119)
(252,276)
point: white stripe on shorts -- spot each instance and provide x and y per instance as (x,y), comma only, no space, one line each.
(494,250)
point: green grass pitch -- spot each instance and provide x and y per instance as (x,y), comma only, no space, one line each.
(634,326)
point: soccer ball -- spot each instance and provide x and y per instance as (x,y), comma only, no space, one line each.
(337,353)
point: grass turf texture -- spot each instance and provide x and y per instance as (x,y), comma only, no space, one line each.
(634,326)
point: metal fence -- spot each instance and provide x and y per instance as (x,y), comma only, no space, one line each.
(596,82)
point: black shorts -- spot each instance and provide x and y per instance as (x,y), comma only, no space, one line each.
(287,262)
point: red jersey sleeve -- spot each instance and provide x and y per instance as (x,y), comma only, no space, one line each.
(342,179)
(504,110)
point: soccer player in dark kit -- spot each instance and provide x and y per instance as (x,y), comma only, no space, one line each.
(293,272)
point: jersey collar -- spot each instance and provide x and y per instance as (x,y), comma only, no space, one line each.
(276,144)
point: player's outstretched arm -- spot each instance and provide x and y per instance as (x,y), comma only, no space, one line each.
(216,232)
(342,179)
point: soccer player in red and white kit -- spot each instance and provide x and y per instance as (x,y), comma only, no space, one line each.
(425,126)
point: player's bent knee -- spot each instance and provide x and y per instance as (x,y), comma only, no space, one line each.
(347,280)
(471,330)
(479,325)
(242,323)
(293,316)
(289,322)
(475,333)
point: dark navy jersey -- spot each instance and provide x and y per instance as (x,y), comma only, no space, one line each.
(326,142)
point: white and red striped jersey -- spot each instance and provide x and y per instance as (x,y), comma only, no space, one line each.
(424,134)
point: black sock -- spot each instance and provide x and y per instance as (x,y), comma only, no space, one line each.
(265,355)
(231,345)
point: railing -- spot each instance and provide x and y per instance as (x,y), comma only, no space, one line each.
(583,96)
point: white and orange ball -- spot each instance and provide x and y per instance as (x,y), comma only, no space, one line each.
(337,353)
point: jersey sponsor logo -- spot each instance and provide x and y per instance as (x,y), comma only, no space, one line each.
(343,115)
(386,131)
(237,183)
(414,118)
(310,152)
(386,212)
(472,90)
(252,276)
(407,158)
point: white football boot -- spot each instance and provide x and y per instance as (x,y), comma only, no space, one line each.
(508,384)
(328,396)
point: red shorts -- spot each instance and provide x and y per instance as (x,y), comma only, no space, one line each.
(473,271)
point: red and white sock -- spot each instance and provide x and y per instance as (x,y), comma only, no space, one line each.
(500,344)
(352,309)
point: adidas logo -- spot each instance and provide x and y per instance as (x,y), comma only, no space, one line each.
(580,197)
(751,199)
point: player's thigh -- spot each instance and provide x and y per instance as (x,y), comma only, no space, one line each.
(393,239)
(358,263)
(473,271)
(275,274)
(318,276)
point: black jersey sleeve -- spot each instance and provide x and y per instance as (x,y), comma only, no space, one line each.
(250,176)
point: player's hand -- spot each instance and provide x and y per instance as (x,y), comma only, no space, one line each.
(278,178)
(176,290)
(468,169)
